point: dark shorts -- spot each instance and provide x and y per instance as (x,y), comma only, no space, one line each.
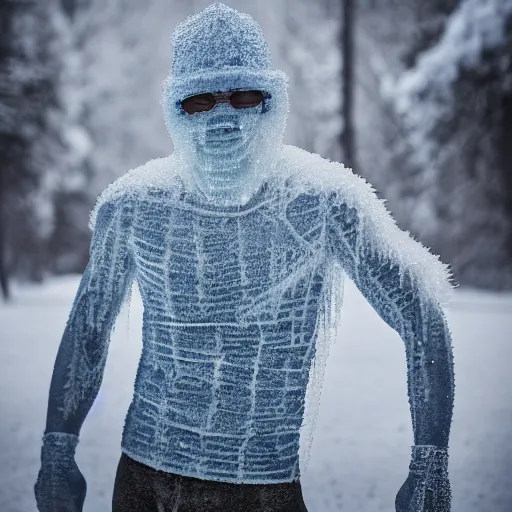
(143,489)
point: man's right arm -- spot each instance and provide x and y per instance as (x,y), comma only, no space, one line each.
(82,354)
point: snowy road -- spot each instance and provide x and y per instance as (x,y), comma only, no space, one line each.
(361,450)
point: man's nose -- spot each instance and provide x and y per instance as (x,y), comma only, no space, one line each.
(223,124)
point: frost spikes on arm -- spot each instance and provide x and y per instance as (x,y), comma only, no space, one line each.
(81,358)
(406,285)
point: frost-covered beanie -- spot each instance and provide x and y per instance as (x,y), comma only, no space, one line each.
(220,49)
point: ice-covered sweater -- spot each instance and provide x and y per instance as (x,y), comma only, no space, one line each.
(239,305)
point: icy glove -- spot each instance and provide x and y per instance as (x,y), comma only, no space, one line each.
(60,485)
(427,488)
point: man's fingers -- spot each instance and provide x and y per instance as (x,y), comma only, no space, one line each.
(429,500)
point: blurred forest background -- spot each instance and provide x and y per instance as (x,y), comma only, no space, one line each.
(416,95)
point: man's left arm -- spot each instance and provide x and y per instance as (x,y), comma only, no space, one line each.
(402,281)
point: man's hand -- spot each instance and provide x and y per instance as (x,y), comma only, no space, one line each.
(60,485)
(427,488)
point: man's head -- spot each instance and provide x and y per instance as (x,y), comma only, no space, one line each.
(224,105)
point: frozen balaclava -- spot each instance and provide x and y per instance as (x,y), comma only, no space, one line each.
(226,154)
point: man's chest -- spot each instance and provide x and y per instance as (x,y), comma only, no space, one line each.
(214,264)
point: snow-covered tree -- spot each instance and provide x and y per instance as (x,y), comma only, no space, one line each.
(455,106)
(30,144)
(80,85)
(41,143)
(312,56)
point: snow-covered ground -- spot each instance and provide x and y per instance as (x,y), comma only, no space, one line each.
(362,442)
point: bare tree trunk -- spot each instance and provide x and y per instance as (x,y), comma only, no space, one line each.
(5,53)
(4,282)
(347,137)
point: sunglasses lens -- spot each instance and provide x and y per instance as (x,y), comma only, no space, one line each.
(246,99)
(198,103)
(205,102)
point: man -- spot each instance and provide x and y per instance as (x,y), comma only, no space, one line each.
(239,245)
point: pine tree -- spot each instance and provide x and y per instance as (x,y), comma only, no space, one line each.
(31,143)
(455,105)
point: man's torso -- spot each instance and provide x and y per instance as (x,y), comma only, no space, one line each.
(231,301)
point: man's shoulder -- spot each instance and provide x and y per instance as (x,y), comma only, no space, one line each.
(158,173)
(307,172)
(299,165)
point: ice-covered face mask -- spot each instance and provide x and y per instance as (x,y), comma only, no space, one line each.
(224,154)
(224,139)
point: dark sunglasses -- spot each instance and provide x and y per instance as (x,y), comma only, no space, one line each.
(238,99)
